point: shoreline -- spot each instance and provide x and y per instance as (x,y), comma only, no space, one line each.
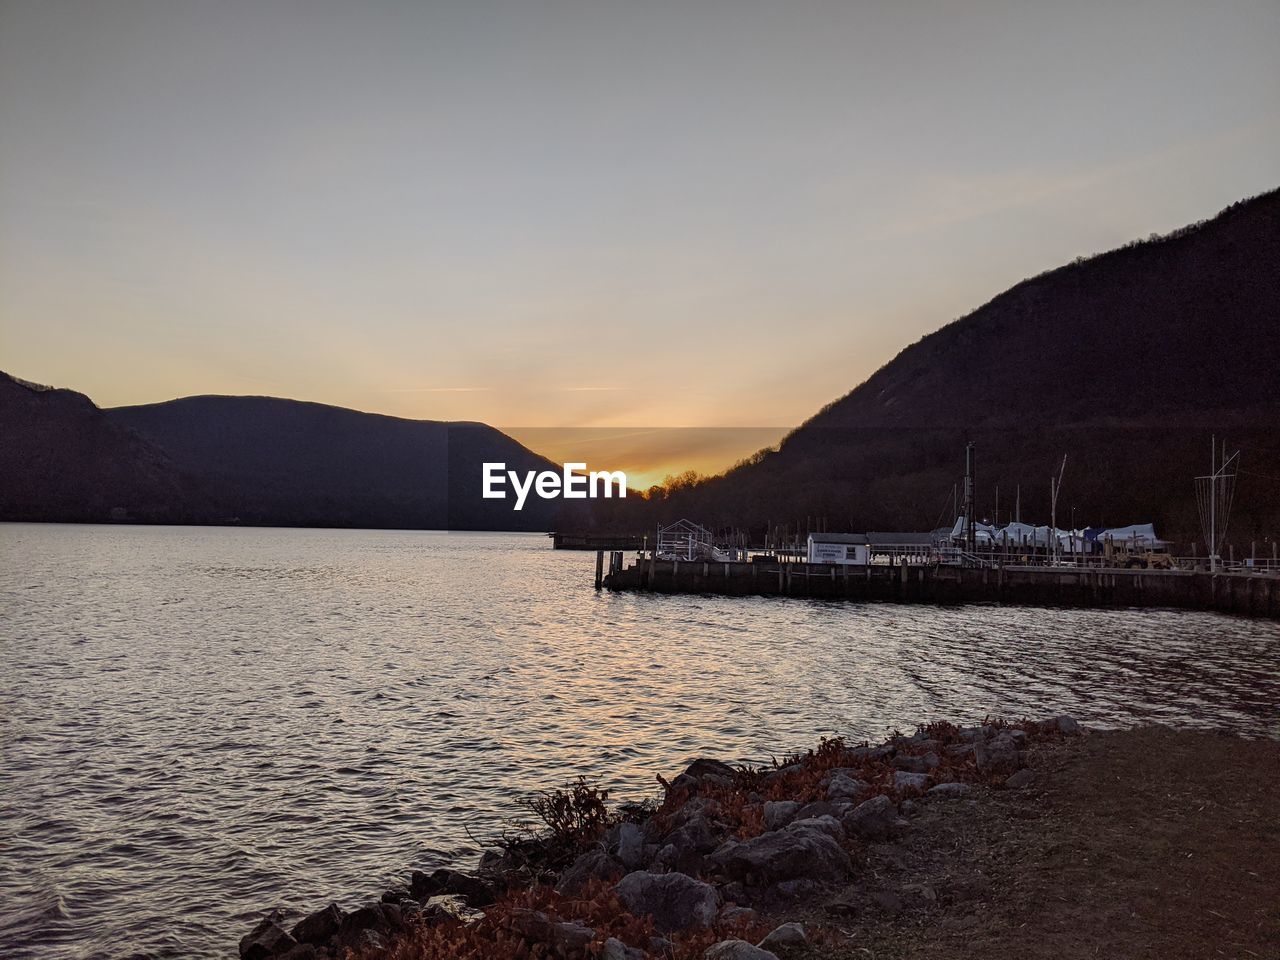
(845,851)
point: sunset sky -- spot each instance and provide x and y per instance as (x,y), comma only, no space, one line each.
(598,214)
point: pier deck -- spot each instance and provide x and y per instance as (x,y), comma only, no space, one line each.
(1239,593)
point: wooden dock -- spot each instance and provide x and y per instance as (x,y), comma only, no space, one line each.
(1253,595)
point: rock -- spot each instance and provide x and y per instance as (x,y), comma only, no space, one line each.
(843,787)
(475,891)
(789,936)
(571,937)
(902,780)
(778,813)
(787,854)
(300,951)
(700,834)
(827,824)
(626,842)
(946,790)
(267,939)
(916,764)
(378,917)
(675,901)
(819,808)
(533,926)
(615,949)
(735,914)
(367,940)
(737,950)
(422,886)
(998,753)
(1067,725)
(703,768)
(319,927)
(1023,778)
(395,893)
(595,864)
(872,819)
(887,902)
(909,808)
(960,749)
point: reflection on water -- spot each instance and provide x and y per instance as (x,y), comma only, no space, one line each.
(200,723)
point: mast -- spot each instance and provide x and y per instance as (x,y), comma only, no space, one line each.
(970,535)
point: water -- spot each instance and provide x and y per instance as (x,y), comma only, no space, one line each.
(199,724)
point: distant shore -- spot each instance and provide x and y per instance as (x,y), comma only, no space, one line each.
(1001,840)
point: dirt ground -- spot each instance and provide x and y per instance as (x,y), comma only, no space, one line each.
(1144,843)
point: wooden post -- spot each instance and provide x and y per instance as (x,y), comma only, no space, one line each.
(599,569)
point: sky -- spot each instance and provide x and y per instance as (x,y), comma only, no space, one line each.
(594,215)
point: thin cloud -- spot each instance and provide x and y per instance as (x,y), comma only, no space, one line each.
(436,389)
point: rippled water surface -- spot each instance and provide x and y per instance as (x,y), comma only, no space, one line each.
(201,723)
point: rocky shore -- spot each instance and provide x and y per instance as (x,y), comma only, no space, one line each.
(722,868)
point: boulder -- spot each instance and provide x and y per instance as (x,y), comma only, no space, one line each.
(319,927)
(423,886)
(626,842)
(904,781)
(732,913)
(827,824)
(267,939)
(778,813)
(1059,724)
(571,937)
(946,790)
(381,917)
(675,901)
(998,753)
(916,764)
(819,808)
(843,787)
(595,864)
(475,891)
(704,768)
(615,949)
(796,851)
(789,936)
(737,950)
(872,819)
(395,893)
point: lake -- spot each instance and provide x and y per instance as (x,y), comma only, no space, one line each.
(201,723)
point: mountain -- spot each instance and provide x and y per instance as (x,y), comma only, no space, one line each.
(253,460)
(1127,363)
(62,458)
(286,462)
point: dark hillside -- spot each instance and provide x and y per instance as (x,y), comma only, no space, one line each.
(1127,362)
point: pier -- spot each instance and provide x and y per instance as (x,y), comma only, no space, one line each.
(1246,594)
